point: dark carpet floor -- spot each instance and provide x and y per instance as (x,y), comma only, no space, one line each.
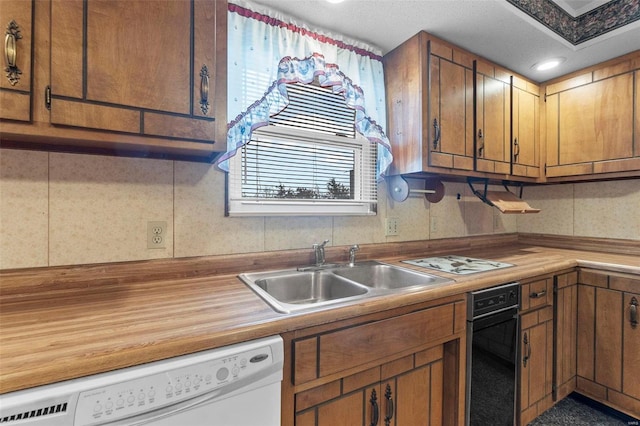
(576,410)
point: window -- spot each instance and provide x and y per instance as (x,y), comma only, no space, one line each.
(309,160)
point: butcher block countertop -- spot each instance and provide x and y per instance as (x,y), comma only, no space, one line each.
(67,322)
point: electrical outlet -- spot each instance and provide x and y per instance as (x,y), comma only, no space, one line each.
(156,234)
(392,226)
(434,224)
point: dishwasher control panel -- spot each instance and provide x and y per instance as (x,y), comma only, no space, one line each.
(493,299)
(172,389)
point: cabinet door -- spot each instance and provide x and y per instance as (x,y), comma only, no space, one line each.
(524,146)
(348,410)
(536,359)
(565,334)
(631,345)
(608,342)
(143,67)
(608,362)
(15,83)
(590,125)
(452,119)
(492,138)
(418,396)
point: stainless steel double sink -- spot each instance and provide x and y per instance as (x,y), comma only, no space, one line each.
(309,289)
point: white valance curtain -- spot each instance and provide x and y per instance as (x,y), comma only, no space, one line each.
(266,50)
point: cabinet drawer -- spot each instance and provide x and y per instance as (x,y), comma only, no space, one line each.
(359,345)
(321,355)
(536,294)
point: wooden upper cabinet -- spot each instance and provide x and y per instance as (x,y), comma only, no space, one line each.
(140,67)
(430,106)
(432,87)
(409,129)
(16,18)
(492,115)
(451,99)
(525,143)
(590,120)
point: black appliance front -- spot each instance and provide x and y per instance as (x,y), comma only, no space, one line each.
(492,356)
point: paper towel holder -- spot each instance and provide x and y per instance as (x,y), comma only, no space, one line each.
(399,189)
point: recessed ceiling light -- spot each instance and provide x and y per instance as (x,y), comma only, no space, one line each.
(548,64)
(335,1)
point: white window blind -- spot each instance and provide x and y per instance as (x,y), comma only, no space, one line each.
(309,160)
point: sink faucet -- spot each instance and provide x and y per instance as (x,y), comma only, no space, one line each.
(352,254)
(318,250)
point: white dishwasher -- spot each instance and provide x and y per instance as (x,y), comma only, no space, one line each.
(237,385)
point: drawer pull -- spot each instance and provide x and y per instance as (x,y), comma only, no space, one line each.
(537,294)
(374,406)
(633,311)
(390,410)
(11,52)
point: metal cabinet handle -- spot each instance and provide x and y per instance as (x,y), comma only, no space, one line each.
(633,311)
(11,52)
(538,294)
(390,409)
(374,406)
(436,133)
(517,150)
(527,347)
(204,89)
(481,145)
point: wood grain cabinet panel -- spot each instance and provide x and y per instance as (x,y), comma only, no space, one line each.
(492,133)
(16,20)
(590,121)
(451,101)
(135,58)
(414,396)
(140,78)
(398,368)
(525,143)
(631,347)
(535,364)
(449,112)
(608,360)
(355,346)
(565,333)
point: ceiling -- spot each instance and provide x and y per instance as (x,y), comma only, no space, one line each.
(513,33)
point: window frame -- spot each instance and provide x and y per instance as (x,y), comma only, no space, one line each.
(237,205)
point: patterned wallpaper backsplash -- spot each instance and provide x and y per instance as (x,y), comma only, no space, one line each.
(66,209)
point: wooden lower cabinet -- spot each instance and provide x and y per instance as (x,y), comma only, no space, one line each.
(535,370)
(608,339)
(413,396)
(565,334)
(403,369)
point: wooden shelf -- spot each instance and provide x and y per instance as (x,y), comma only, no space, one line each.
(509,203)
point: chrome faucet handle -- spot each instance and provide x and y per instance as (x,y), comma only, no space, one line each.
(352,254)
